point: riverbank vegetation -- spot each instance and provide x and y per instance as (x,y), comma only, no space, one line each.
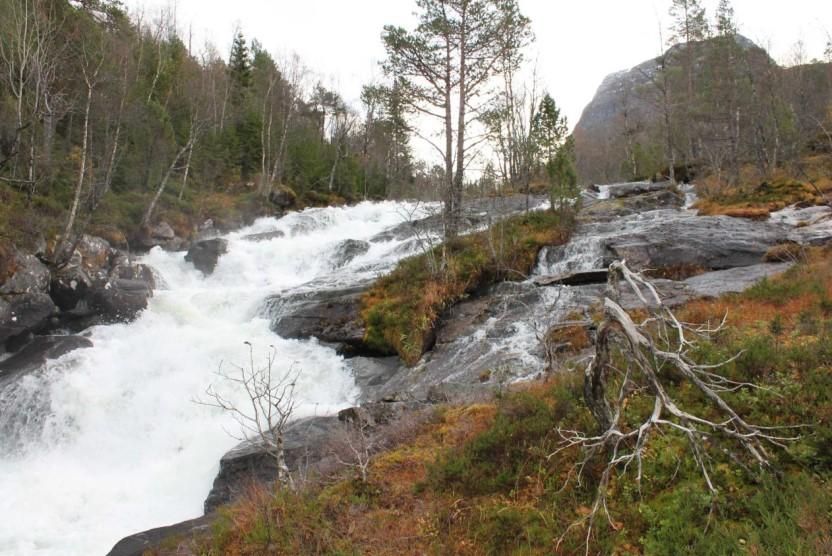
(402,308)
(488,478)
(112,121)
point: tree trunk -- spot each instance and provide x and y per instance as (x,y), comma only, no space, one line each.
(459,178)
(148,214)
(448,216)
(82,169)
(277,169)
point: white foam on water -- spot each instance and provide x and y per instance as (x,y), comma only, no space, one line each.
(120,446)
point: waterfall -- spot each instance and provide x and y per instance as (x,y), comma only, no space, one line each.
(107,441)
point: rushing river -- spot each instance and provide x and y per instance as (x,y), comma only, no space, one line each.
(108,441)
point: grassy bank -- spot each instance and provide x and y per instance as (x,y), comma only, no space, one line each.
(402,309)
(808,183)
(481,479)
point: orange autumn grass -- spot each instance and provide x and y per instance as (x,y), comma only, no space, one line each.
(787,296)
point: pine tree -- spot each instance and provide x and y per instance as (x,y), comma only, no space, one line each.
(549,127)
(563,179)
(725,24)
(690,21)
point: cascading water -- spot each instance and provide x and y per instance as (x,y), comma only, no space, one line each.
(111,441)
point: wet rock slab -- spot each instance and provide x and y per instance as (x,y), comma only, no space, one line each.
(733,280)
(36,353)
(709,242)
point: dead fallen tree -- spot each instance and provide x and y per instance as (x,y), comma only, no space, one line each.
(637,358)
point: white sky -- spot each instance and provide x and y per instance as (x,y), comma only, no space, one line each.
(579,42)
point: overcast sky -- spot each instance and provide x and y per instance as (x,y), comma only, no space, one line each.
(578,43)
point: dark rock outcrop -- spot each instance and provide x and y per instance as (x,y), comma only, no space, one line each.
(88,264)
(206,254)
(28,275)
(100,284)
(332,316)
(25,306)
(307,442)
(22,315)
(577,278)
(35,354)
(283,197)
(119,300)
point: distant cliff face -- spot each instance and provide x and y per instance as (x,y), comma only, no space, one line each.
(623,126)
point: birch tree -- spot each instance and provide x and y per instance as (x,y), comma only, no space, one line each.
(267,409)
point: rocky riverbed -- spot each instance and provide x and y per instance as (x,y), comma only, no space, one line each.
(317,265)
(495,335)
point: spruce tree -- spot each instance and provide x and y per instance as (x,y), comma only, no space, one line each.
(239,67)
(549,127)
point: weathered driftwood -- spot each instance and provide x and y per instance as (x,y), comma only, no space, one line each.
(649,352)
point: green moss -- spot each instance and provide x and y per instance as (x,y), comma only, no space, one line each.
(401,310)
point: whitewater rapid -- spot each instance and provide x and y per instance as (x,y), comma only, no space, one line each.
(116,443)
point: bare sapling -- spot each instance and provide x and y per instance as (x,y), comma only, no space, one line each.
(355,445)
(269,402)
(426,240)
(637,358)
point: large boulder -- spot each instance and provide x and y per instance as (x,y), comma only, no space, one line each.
(620,190)
(99,284)
(26,274)
(206,254)
(308,443)
(23,314)
(69,285)
(305,441)
(25,306)
(348,250)
(119,300)
(88,264)
(284,197)
(707,242)
(332,316)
